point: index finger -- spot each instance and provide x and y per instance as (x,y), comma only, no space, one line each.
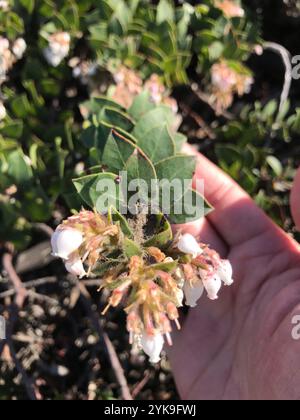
(236,217)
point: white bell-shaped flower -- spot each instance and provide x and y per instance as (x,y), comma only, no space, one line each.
(54,59)
(225,272)
(193,293)
(66,241)
(75,266)
(19,48)
(188,245)
(212,283)
(152,346)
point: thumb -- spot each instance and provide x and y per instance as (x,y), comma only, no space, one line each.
(295,200)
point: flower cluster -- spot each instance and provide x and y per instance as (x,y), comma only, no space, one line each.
(10,53)
(83,70)
(226,82)
(58,48)
(84,239)
(230,8)
(129,84)
(205,272)
(152,285)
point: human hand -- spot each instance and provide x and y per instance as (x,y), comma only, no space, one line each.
(295,200)
(241,347)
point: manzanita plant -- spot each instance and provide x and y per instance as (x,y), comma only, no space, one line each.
(141,264)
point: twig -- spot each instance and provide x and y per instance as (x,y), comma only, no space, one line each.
(139,387)
(199,120)
(29,285)
(119,372)
(43,298)
(286,58)
(44,228)
(21,292)
(92,283)
(26,380)
(116,365)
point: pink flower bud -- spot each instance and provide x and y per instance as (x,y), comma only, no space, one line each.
(152,346)
(66,241)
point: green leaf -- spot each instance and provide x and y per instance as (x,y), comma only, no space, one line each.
(117,152)
(164,233)
(19,168)
(157,143)
(192,206)
(13,130)
(141,105)
(177,167)
(275,165)
(180,140)
(96,104)
(95,136)
(165,11)
(102,268)
(159,116)
(167,266)
(140,173)
(116,217)
(91,190)
(116,118)
(131,248)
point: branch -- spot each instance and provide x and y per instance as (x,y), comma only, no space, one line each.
(199,120)
(29,285)
(20,291)
(286,58)
(119,372)
(116,365)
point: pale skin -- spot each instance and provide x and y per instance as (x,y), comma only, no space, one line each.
(241,347)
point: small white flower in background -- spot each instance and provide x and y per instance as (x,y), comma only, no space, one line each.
(258,49)
(212,283)
(2,111)
(152,346)
(225,272)
(19,48)
(66,241)
(58,48)
(4,5)
(75,266)
(188,245)
(9,55)
(193,293)
(6,58)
